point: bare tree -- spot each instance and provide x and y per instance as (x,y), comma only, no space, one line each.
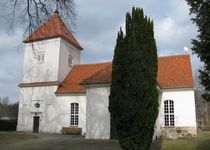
(32,13)
(202,106)
(5,101)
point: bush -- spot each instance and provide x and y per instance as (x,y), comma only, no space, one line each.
(8,125)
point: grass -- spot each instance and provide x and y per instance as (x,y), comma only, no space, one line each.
(64,142)
(201,142)
(12,137)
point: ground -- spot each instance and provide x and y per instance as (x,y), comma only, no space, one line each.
(26,141)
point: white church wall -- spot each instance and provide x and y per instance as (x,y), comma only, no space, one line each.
(64,67)
(43,95)
(51,112)
(184,110)
(64,102)
(184,106)
(98,116)
(47,70)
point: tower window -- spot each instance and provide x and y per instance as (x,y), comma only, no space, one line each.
(40,57)
(70,60)
(169,113)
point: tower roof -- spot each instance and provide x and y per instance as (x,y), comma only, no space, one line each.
(52,28)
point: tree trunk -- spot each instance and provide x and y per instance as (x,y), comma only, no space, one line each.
(207,115)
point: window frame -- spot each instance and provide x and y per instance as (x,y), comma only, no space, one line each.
(70,60)
(40,57)
(74,114)
(169,117)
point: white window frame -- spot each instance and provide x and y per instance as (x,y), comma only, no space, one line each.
(40,57)
(70,60)
(74,114)
(169,119)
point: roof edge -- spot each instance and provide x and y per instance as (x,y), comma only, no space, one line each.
(66,93)
(52,37)
(34,84)
(177,87)
(178,55)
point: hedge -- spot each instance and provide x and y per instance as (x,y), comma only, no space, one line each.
(6,125)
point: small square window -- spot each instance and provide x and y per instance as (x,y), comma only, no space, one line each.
(40,57)
(70,60)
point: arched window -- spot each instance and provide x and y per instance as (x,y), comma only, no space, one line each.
(74,114)
(169,113)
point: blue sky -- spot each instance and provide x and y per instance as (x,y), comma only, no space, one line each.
(97,24)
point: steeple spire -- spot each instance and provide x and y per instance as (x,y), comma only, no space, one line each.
(56,9)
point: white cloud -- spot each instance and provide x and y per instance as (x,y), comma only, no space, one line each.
(172,36)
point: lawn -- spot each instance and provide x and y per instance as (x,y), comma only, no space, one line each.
(12,137)
(20,141)
(201,142)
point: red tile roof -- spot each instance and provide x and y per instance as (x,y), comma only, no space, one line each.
(80,72)
(173,72)
(102,76)
(52,28)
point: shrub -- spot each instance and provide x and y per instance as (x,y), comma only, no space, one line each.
(6,125)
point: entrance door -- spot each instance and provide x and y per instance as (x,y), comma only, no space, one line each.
(36,124)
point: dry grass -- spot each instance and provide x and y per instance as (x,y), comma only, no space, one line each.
(202,142)
(11,137)
(64,142)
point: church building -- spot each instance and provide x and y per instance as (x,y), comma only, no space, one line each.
(58,92)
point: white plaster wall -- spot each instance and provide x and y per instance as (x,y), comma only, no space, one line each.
(64,102)
(28,97)
(48,70)
(98,116)
(65,50)
(184,106)
(54,112)
(157,128)
(48,112)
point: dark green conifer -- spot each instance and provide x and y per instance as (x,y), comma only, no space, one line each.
(201,45)
(134,97)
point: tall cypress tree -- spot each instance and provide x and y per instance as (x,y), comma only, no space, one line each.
(201,45)
(134,97)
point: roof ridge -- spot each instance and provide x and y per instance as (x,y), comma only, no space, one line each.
(100,63)
(179,55)
(58,19)
(96,73)
(111,61)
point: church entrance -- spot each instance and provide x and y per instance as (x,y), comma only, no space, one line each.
(36,124)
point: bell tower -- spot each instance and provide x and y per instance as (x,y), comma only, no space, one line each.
(50,52)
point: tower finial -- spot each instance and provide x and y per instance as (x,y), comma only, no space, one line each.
(56,9)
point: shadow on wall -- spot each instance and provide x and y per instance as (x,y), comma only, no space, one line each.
(29,97)
(97,117)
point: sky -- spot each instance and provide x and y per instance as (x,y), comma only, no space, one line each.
(97,24)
